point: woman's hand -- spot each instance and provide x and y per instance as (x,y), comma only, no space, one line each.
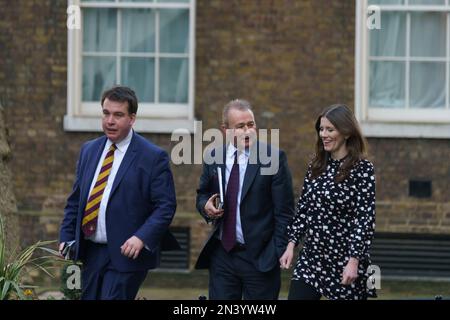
(350,272)
(286,258)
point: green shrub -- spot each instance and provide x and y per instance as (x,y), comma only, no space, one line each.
(14,266)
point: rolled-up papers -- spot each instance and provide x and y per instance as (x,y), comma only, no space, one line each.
(219,176)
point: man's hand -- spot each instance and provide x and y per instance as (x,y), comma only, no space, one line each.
(132,247)
(286,258)
(61,247)
(350,272)
(211,210)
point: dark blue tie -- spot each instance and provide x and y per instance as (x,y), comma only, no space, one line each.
(229,220)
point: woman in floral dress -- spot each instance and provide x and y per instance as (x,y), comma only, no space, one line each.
(335,214)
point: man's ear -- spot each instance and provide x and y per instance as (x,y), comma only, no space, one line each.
(223,128)
(133,118)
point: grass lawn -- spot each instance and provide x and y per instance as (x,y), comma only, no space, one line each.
(173,286)
(390,290)
(189,286)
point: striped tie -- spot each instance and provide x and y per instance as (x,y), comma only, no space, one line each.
(89,223)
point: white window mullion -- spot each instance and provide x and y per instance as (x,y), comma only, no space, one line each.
(362,61)
(157,56)
(408,61)
(191,58)
(366,65)
(447,64)
(121,53)
(118,46)
(135,5)
(177,55)
(413,59)
(415,8)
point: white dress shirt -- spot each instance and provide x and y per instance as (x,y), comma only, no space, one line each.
(242,161)
(100,235)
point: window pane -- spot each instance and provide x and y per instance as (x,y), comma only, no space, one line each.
(180,1)
(427,85)
(390,39)
(173,80)
(138,30)
(387,84)
(386,1)
(428,34)
(139,74)
(99,30)
(429,2)
(99,73)
(174,25)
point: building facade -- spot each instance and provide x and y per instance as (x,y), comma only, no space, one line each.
(289,58)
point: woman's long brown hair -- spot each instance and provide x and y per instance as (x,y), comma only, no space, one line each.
(345,122)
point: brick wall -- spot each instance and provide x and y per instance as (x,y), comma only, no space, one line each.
(289,58)
(399,160)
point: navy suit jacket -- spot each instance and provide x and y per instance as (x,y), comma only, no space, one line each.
(266,208)
(142,202)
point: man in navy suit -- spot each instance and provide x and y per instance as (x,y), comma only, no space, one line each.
(249,234)
(122,203)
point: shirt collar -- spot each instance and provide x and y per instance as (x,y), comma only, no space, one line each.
(231,149)
(122,145)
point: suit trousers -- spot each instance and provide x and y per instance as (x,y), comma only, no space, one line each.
(232,276)
(101,281)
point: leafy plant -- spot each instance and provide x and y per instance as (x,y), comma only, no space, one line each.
(12,268)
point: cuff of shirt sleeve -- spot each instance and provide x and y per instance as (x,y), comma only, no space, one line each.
(294,240)
(356,254)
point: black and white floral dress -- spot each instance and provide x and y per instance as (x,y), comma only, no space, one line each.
(337,221)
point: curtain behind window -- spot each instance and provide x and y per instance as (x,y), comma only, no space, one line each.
(387,78)
(137,38)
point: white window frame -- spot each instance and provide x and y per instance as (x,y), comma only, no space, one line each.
(151,117)
(397,123)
